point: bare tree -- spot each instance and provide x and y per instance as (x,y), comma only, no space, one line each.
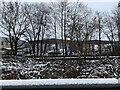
(13,23)
(110,30)
(37,16)
(99,28)
(64,8)
(55,22)
(117,21)
(79,30)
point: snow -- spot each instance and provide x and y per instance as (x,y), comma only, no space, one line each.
(28,68)
(57,82)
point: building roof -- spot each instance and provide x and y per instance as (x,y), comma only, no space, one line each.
(53,41)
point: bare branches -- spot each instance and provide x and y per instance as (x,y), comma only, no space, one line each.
(13,23)
(62,19)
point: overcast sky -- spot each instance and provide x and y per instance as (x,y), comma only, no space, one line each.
(99,5)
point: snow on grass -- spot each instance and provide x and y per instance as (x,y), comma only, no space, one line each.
(57,82)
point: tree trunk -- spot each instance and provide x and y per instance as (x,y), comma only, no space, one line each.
(56,46)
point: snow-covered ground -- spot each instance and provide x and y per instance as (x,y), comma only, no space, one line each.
(57,82)
(28,68)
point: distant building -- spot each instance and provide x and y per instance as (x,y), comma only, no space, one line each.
(72,46)
(5,45)
(90,47)
(50,44)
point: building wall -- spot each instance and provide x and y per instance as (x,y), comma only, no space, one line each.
(73,46)
(4,43)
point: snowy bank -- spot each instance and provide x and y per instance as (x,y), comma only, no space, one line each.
(36,82)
